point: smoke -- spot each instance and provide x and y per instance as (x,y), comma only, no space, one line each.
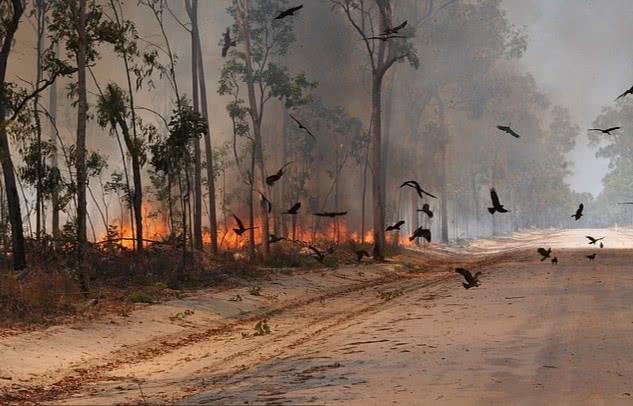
(576,57)
(579,54)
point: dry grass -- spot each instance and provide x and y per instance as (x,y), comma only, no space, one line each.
(42,296)
(117,278)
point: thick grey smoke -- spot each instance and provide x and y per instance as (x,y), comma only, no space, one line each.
(579,54)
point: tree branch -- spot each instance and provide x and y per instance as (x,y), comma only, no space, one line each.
(35,93)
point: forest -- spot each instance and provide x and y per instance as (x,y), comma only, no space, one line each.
(134,135)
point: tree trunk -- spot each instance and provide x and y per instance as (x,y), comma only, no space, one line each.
(52,110)
(80,163)
(213,222)
(197,168)
(256,118)
(378,209)
(13,199)
(444,140)
(133,146)
(41,21)
(364,194)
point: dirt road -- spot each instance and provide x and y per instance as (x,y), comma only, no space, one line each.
(533,333)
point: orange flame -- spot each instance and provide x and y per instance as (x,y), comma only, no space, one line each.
(156,227)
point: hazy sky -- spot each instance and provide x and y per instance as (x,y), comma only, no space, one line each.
(581,56)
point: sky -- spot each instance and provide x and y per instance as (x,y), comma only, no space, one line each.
(580,53)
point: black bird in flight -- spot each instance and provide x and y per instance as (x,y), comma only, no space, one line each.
(628,91)
(593,240)
(330,214)
(415,185)
(294,209)
(318,254)
(270,180)
(578,214)
(273,239)
(421,232)
(302,127)
(289,12)
(240,226)
(395,226)
(496,204)
(555,261)
(606,130)
(265,202)
(387,37)
(507,129)
(591,257)
(544,252)
(471,280)
(426,209)
(395,29)
(228,43)
(360,254)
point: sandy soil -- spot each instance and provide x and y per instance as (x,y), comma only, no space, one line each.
(404,332)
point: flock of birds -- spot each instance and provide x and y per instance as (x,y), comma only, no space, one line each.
(420,232)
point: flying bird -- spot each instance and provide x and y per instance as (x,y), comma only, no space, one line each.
(606,130)
(265,202)
(289,12)
(421,232)
(301,126)
(273,239)
(395,29)
(544,252)
(496,204)
(228,43)
(555,261)
(415,185)
(318,254)
(591,257)
(330,214)
(360,254)
(426,209)
(386,37)
(578,213)
(471,280)
(593,240)
(240,226)
(507,129)
(270,180)
(395,226)
(628,91)
(294,209)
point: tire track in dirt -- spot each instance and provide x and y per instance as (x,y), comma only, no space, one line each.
(98,371)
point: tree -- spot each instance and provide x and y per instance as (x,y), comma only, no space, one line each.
(370,18)
(263,38)
(13,101)
(213,225)
(112,111)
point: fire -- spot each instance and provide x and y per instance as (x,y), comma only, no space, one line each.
(310,230)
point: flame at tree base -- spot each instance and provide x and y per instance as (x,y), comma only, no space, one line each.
(156,228)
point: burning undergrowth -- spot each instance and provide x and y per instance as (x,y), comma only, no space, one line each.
(116,276)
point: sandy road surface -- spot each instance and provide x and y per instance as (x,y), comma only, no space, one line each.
(532,333)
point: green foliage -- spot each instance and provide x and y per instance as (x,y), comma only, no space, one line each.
(262,328)
(181,315)
(172,154)
(62,28)
(149,294)
(390,294)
